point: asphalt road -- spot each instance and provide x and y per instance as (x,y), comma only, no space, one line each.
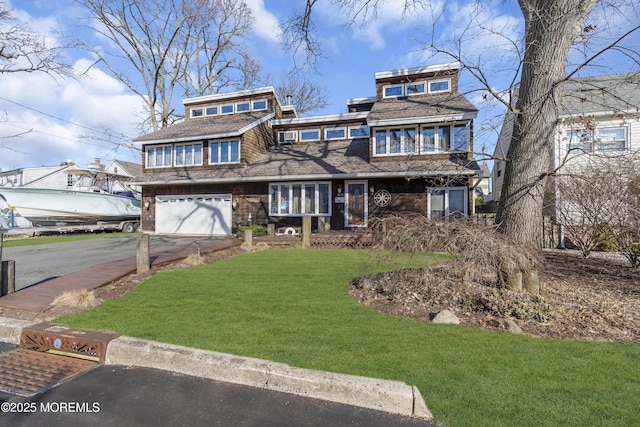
(132,396)
(35,264)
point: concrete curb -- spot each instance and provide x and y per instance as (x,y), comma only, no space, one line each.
(11,329)
(384,395)
(389,396)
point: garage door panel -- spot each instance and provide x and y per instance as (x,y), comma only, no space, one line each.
(194,214)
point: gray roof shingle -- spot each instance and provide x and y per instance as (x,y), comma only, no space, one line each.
(204,127)
(421,106)
(606,93)
(344,159)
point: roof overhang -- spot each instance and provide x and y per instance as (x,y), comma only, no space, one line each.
(313,177)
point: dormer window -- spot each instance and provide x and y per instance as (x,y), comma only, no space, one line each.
(196,112)
(260,105)
(438,86)
(335,133)
(414,88)
(393,91)
(226,109)
(212,111)
(243,107)
(309,135)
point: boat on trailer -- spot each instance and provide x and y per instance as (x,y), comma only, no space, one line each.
(91,200)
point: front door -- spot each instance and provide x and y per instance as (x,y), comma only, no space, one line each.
(356,201)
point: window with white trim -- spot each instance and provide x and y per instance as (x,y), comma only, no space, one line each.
(335,133)
(395,141)
(212,110)
(221,152)
(300,199)
(447,202)
(359,131)
(259,105)
(196,112)
(393,91)
(243,107)
(439,86)
(414,88)
(188,154)
(307,135)
(602,139)
(159,156)
(226,109)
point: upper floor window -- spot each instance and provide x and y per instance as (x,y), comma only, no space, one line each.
(159,157)
(428,139)
(212,111)
(196,112)
(188,154)
(414,88)
(437,86)
(393,90)
(224,152)
(259,105)
(242,107)
(602,139)
(335,133)
(310,135)
(359,132)
(226,109)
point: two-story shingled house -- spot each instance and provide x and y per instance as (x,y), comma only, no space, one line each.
(242,157)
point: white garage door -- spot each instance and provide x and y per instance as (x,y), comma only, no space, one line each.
(194,214)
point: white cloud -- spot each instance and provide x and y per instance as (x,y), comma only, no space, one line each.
(266,25)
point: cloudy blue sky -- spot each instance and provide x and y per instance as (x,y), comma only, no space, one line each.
(54,115)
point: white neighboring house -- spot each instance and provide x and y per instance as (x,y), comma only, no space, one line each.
(599,119)
(129,169)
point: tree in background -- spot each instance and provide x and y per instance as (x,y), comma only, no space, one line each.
(197,45)
(302,92)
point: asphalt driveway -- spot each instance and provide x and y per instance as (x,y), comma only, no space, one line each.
(35,264)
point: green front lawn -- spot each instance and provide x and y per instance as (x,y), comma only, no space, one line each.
(292,306)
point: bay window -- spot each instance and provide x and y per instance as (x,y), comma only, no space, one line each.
(300,199)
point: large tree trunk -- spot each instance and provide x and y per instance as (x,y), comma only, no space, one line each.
(552,26)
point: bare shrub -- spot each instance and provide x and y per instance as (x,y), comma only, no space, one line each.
(194,259)
(483,254)
(81,299)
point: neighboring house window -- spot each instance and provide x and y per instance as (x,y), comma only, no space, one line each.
(260,105)
(612,138)
(188,154)
(336,133)
(212,111)
(243,107)
(310,135)
(159,157)
(224,152)
(393,91)
(226,109)
(196,112)
(359,132)
(438,86)
(70,180)
(602,139)
(448,202)
(300,199)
